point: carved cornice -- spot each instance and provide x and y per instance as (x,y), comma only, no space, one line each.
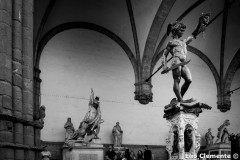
(182,119)
(37,72)
(21,120)
(37,79)
(143,98)
(20,146)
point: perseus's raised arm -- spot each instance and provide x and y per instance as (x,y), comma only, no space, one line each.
(202,24)
(189,39)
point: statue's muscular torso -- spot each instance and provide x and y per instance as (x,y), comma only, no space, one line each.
(178,49)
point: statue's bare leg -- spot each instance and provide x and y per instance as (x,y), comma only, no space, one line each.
(177,77)
(186,75)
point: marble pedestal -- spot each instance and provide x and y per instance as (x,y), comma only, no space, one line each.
(179,123)
(223,151)
(84,151)
(119,151)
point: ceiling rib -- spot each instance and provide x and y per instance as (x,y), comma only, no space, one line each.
(134,30)
(178,19)
(135,38)
(42,24)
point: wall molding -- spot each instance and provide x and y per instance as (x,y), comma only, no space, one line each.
(21,120)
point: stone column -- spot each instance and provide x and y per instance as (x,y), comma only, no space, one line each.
(17,75)
(27,89)
(37,83)
(6,126)
(17,128)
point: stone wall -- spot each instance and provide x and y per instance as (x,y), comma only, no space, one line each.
(73,62)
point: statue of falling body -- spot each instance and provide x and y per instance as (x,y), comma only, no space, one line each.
(90,126)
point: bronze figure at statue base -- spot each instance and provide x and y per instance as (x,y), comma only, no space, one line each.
(183,140)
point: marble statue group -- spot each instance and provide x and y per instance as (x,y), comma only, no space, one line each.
(90,125)
(222,135)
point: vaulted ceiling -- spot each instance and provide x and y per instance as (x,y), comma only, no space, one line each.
(139,27)
(142,24)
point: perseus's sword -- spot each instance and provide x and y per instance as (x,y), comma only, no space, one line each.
(213,19)
(157,70)
(175,66)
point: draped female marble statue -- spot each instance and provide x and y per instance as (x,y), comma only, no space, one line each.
(69,129)
(90,126)
(117,135)
(209,138)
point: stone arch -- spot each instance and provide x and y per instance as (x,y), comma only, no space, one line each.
(153,35)
(224,103)
(232,68)
(74,25)
(143,91)
(84,25)
(209,63)
(183,15)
